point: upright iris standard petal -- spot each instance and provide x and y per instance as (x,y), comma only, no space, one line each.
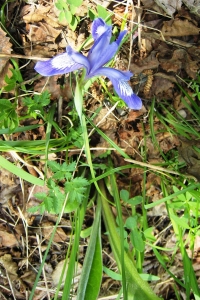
(102,51)
(100,56)
(120,80)
(99,27)
(62,63)
(97,54)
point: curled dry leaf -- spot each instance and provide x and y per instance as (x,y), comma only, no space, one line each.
(179,27)
(42,32)
(5,47)
(7,239)
(150,62)
(9,265)
(180,60)
(47,228)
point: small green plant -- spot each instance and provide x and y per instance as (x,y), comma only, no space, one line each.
(61,184)
(15,80)
(195,86)
(36,104)
(67,11)
(8,115)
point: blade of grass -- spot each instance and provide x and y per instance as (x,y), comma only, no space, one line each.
(174,195)
(5,164)
(20,129)
(121,228)
(91,274)
(48,133)
(79,217)
(31,297)
(34,147)
(137,288)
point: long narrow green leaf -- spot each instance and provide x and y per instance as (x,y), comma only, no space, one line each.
(4,163)
(121,228)
(91,274)
(138,289)
(20,129)
(71,266)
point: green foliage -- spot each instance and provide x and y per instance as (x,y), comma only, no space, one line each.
(54,199)
(36,104)
(67,11)
(14,80)
(195,86)
(76,188)
(8,115)
(103,13)
(63,171)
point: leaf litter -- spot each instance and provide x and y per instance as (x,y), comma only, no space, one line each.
(169,50)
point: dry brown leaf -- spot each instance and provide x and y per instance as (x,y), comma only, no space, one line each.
(150,62)
(162,86)
(179,27)
(58,270)
(180,60)
(42,32)
(35,14)
(47,228)
(5,47)
(9,265)
(7,239)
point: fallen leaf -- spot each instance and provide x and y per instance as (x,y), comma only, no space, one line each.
(178,27)
(58,270)
(42,32)
(7,239)
(180,60)
(9,265)
(35,14)
(150,62)
(169,6)
(47,228)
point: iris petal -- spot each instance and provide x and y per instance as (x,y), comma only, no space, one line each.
(101,52)
(111,72)
(101,55)
(120,37)
(119,80)
(62,63)
(99,27)
(125,92)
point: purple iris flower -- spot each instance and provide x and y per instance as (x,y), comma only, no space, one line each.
(101,53)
